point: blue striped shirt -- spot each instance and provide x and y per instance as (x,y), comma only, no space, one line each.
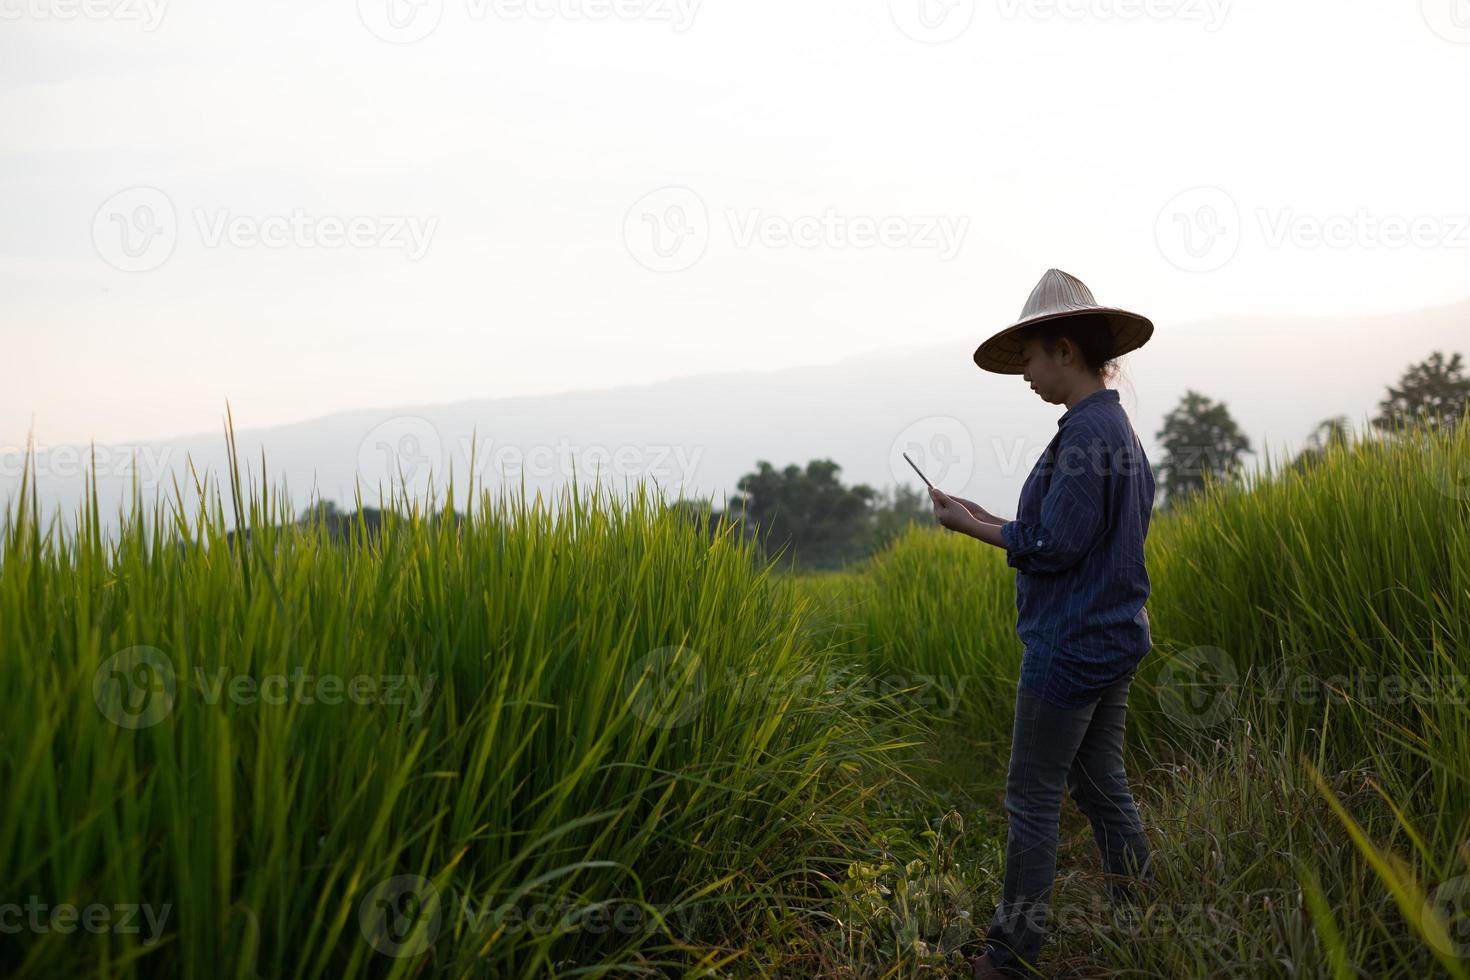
(1077,547)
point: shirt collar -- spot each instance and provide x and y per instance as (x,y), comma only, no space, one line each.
(1098,398)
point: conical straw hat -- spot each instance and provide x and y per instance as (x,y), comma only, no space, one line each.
(1060,295)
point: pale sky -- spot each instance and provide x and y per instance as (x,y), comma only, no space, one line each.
(309,207)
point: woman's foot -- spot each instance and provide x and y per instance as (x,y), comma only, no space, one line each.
(984,968)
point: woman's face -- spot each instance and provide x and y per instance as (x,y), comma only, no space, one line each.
(1047,371)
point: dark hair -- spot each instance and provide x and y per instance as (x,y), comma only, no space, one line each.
(1090,334)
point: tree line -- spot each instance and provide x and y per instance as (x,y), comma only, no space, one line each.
(809,518)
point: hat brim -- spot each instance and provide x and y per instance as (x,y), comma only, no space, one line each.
(1001,352)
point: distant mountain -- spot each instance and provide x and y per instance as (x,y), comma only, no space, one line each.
(974,433)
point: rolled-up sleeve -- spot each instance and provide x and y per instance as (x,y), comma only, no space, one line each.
(1073,513)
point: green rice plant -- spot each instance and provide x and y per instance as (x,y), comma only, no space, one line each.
(1327,610)
(1415,903)
(1340,595)
(1253,874)
(939,623)
(1312,619)
(535,739)
(570,711)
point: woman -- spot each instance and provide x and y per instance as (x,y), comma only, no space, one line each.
(1077,547)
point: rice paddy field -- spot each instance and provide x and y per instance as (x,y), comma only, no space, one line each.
(596,737)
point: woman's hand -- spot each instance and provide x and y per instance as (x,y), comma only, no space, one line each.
(952,513)
(976,511)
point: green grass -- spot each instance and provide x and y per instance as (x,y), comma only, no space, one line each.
(1300,737)
(614,716)
(671,759)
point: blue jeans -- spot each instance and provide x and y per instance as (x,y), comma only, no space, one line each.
(1081,749)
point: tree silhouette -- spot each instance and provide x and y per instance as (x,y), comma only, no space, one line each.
(806,514)
(1329,433)
(1199,436)
(897,508)
(1434,391)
